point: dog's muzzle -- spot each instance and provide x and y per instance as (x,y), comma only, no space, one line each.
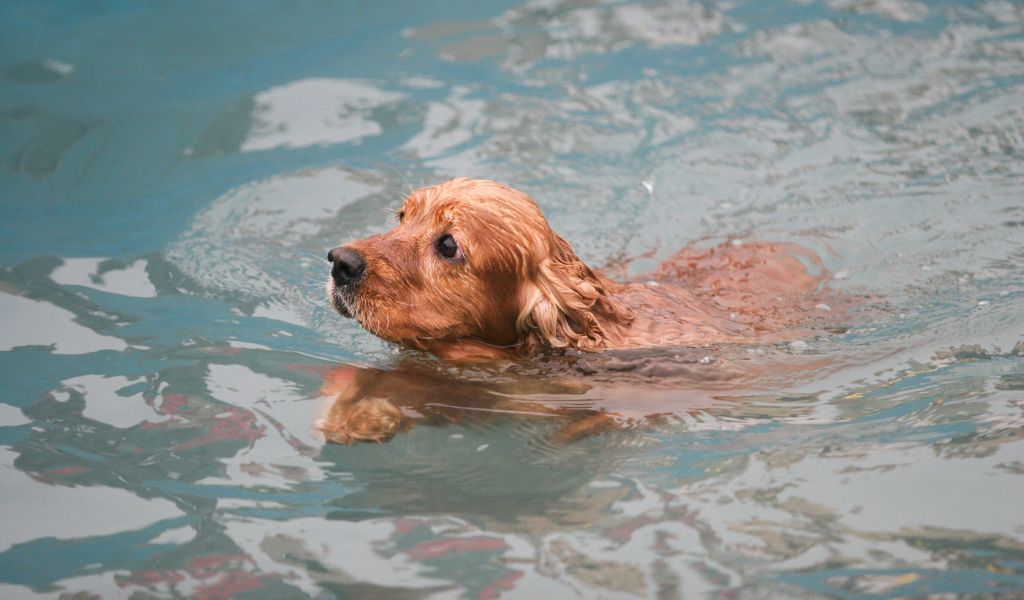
(347,267)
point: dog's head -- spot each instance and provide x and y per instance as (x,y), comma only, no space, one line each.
(472,260)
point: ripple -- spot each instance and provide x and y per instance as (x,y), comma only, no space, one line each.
(884,135)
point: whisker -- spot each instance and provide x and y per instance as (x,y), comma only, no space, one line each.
(404,178)
(318,286)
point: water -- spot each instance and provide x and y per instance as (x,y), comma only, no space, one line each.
(173,175)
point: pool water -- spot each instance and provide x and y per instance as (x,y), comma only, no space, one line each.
(172,176)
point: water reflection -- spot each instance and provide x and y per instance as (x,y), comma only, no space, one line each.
(567,30)
(718,492)
(299,114)
(39,323)
(824,508)
(164,343)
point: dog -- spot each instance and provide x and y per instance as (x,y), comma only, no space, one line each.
(474,271)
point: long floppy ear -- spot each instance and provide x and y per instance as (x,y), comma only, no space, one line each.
(567,305)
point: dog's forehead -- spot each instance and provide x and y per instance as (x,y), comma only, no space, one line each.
(468,198)
(425,201)
(429,209)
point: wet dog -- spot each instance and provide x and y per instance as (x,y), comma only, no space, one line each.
(473,270)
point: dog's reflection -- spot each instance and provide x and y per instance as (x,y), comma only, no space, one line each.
(374,405)
(574,397)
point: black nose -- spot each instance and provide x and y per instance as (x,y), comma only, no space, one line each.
(347,265)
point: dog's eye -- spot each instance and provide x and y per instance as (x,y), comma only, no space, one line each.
(400,215)
(447,247)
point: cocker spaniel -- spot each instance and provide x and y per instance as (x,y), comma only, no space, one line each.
(473,270)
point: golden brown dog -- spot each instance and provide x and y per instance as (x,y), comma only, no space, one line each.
(473,270)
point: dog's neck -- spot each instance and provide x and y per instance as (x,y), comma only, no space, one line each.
(654,313)
(468,350)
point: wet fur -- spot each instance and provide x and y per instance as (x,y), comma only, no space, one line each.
(522,289)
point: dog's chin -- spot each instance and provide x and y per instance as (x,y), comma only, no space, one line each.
(338,301)
(343,301)
(342,309)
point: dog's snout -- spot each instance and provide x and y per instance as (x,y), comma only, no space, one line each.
(346,265)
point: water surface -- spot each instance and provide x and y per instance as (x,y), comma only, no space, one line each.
(172,177)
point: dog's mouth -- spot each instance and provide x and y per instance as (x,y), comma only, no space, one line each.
(343,300)
(340,301)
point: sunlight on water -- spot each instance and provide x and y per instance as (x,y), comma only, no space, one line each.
(172,180)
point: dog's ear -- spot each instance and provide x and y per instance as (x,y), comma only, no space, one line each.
(567,305)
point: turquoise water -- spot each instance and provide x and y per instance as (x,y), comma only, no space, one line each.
(172,175)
